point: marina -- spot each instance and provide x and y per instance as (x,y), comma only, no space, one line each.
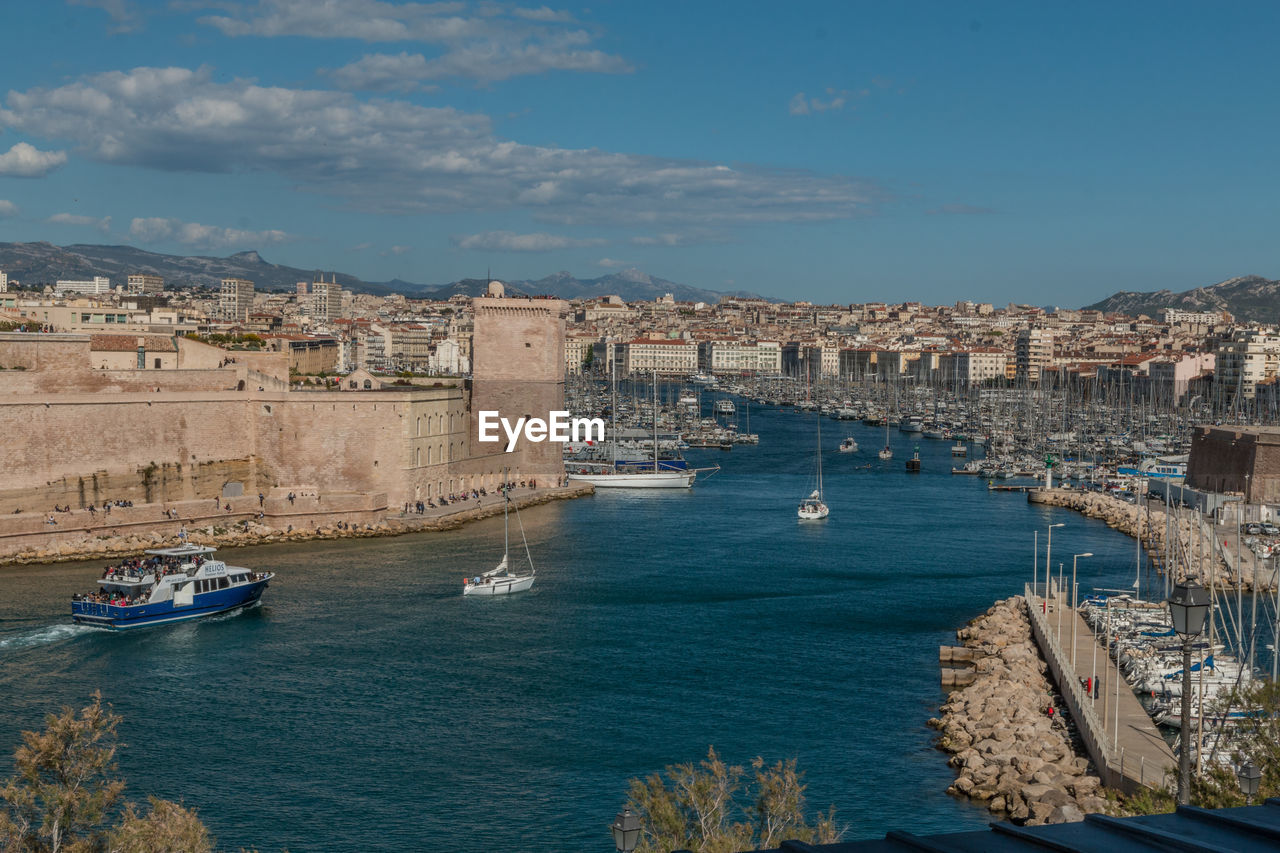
(612,653)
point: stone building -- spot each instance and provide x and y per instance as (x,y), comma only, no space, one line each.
(1237,459)
(78,433)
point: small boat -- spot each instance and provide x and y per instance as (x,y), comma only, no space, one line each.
(168,585)
(813,507)
(725,407)
(501,580)
(887,452)
(849,445)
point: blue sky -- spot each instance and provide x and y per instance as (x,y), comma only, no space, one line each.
(838,152)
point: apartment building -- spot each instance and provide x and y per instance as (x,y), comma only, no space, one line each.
(667,357)
(235,300)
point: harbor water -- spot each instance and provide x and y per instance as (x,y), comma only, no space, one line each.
(366,704)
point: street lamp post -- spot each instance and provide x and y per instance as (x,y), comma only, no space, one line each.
(626,831)
(1188,607)
(1074,605)
(1048,562)
(1250,778)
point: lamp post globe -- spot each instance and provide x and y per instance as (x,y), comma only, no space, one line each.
(626,831)
(1188,607)
(1250,778)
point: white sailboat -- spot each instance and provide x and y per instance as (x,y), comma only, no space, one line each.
(611,477)
(887,452)
(813,508)
(501,580)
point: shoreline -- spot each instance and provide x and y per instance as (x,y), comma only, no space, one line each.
(337,517)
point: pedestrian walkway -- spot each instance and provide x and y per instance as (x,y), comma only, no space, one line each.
(1117,731)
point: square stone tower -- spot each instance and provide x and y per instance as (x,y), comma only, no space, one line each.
(518,370)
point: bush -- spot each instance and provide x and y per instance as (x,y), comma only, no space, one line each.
(708,809)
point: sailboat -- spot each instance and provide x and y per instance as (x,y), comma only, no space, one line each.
(887,453)
(812,508)
(501,580)
(633,476)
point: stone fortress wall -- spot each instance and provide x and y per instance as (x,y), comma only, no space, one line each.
(518,370)
(77,436)
(1237,459)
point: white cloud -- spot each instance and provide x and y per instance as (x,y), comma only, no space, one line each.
(958,210)
(486,62)
(485,42)
(391,156)
(27,161)
(7,208)
(835,101)
(692,237)
(158,230)
(508,241)
(126,17)
(613,263)
(102,224)
(360,247)
(399,250)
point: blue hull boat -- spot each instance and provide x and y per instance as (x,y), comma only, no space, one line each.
(168,585)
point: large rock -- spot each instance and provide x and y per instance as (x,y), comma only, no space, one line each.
(1068,813)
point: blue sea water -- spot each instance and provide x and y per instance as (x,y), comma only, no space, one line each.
(367,705)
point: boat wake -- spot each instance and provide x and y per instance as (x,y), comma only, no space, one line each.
(44,636)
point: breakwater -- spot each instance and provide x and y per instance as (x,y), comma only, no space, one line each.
(126,531)
(1010,754)
(1199,549)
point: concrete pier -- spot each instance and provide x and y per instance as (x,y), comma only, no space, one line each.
(1122,741)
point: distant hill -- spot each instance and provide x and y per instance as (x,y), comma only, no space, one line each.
(1250,298)
(37,263)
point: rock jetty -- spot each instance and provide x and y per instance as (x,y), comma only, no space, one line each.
(1010,754)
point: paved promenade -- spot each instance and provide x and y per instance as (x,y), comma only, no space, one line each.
(1118,733)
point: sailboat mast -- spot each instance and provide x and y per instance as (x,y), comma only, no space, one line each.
(506,508)
(819,456)
(613,417)
(655,421)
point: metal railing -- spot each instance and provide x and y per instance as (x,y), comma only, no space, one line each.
(1092,731)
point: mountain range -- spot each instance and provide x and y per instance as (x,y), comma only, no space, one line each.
(1250,299)
(45,263)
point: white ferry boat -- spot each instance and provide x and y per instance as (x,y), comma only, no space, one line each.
(168,585)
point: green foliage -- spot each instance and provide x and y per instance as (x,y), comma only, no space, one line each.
(248,341)
(61,790)
(167,826)
(62,794)
(707,808)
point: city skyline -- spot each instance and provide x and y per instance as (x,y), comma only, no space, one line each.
(826,152)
